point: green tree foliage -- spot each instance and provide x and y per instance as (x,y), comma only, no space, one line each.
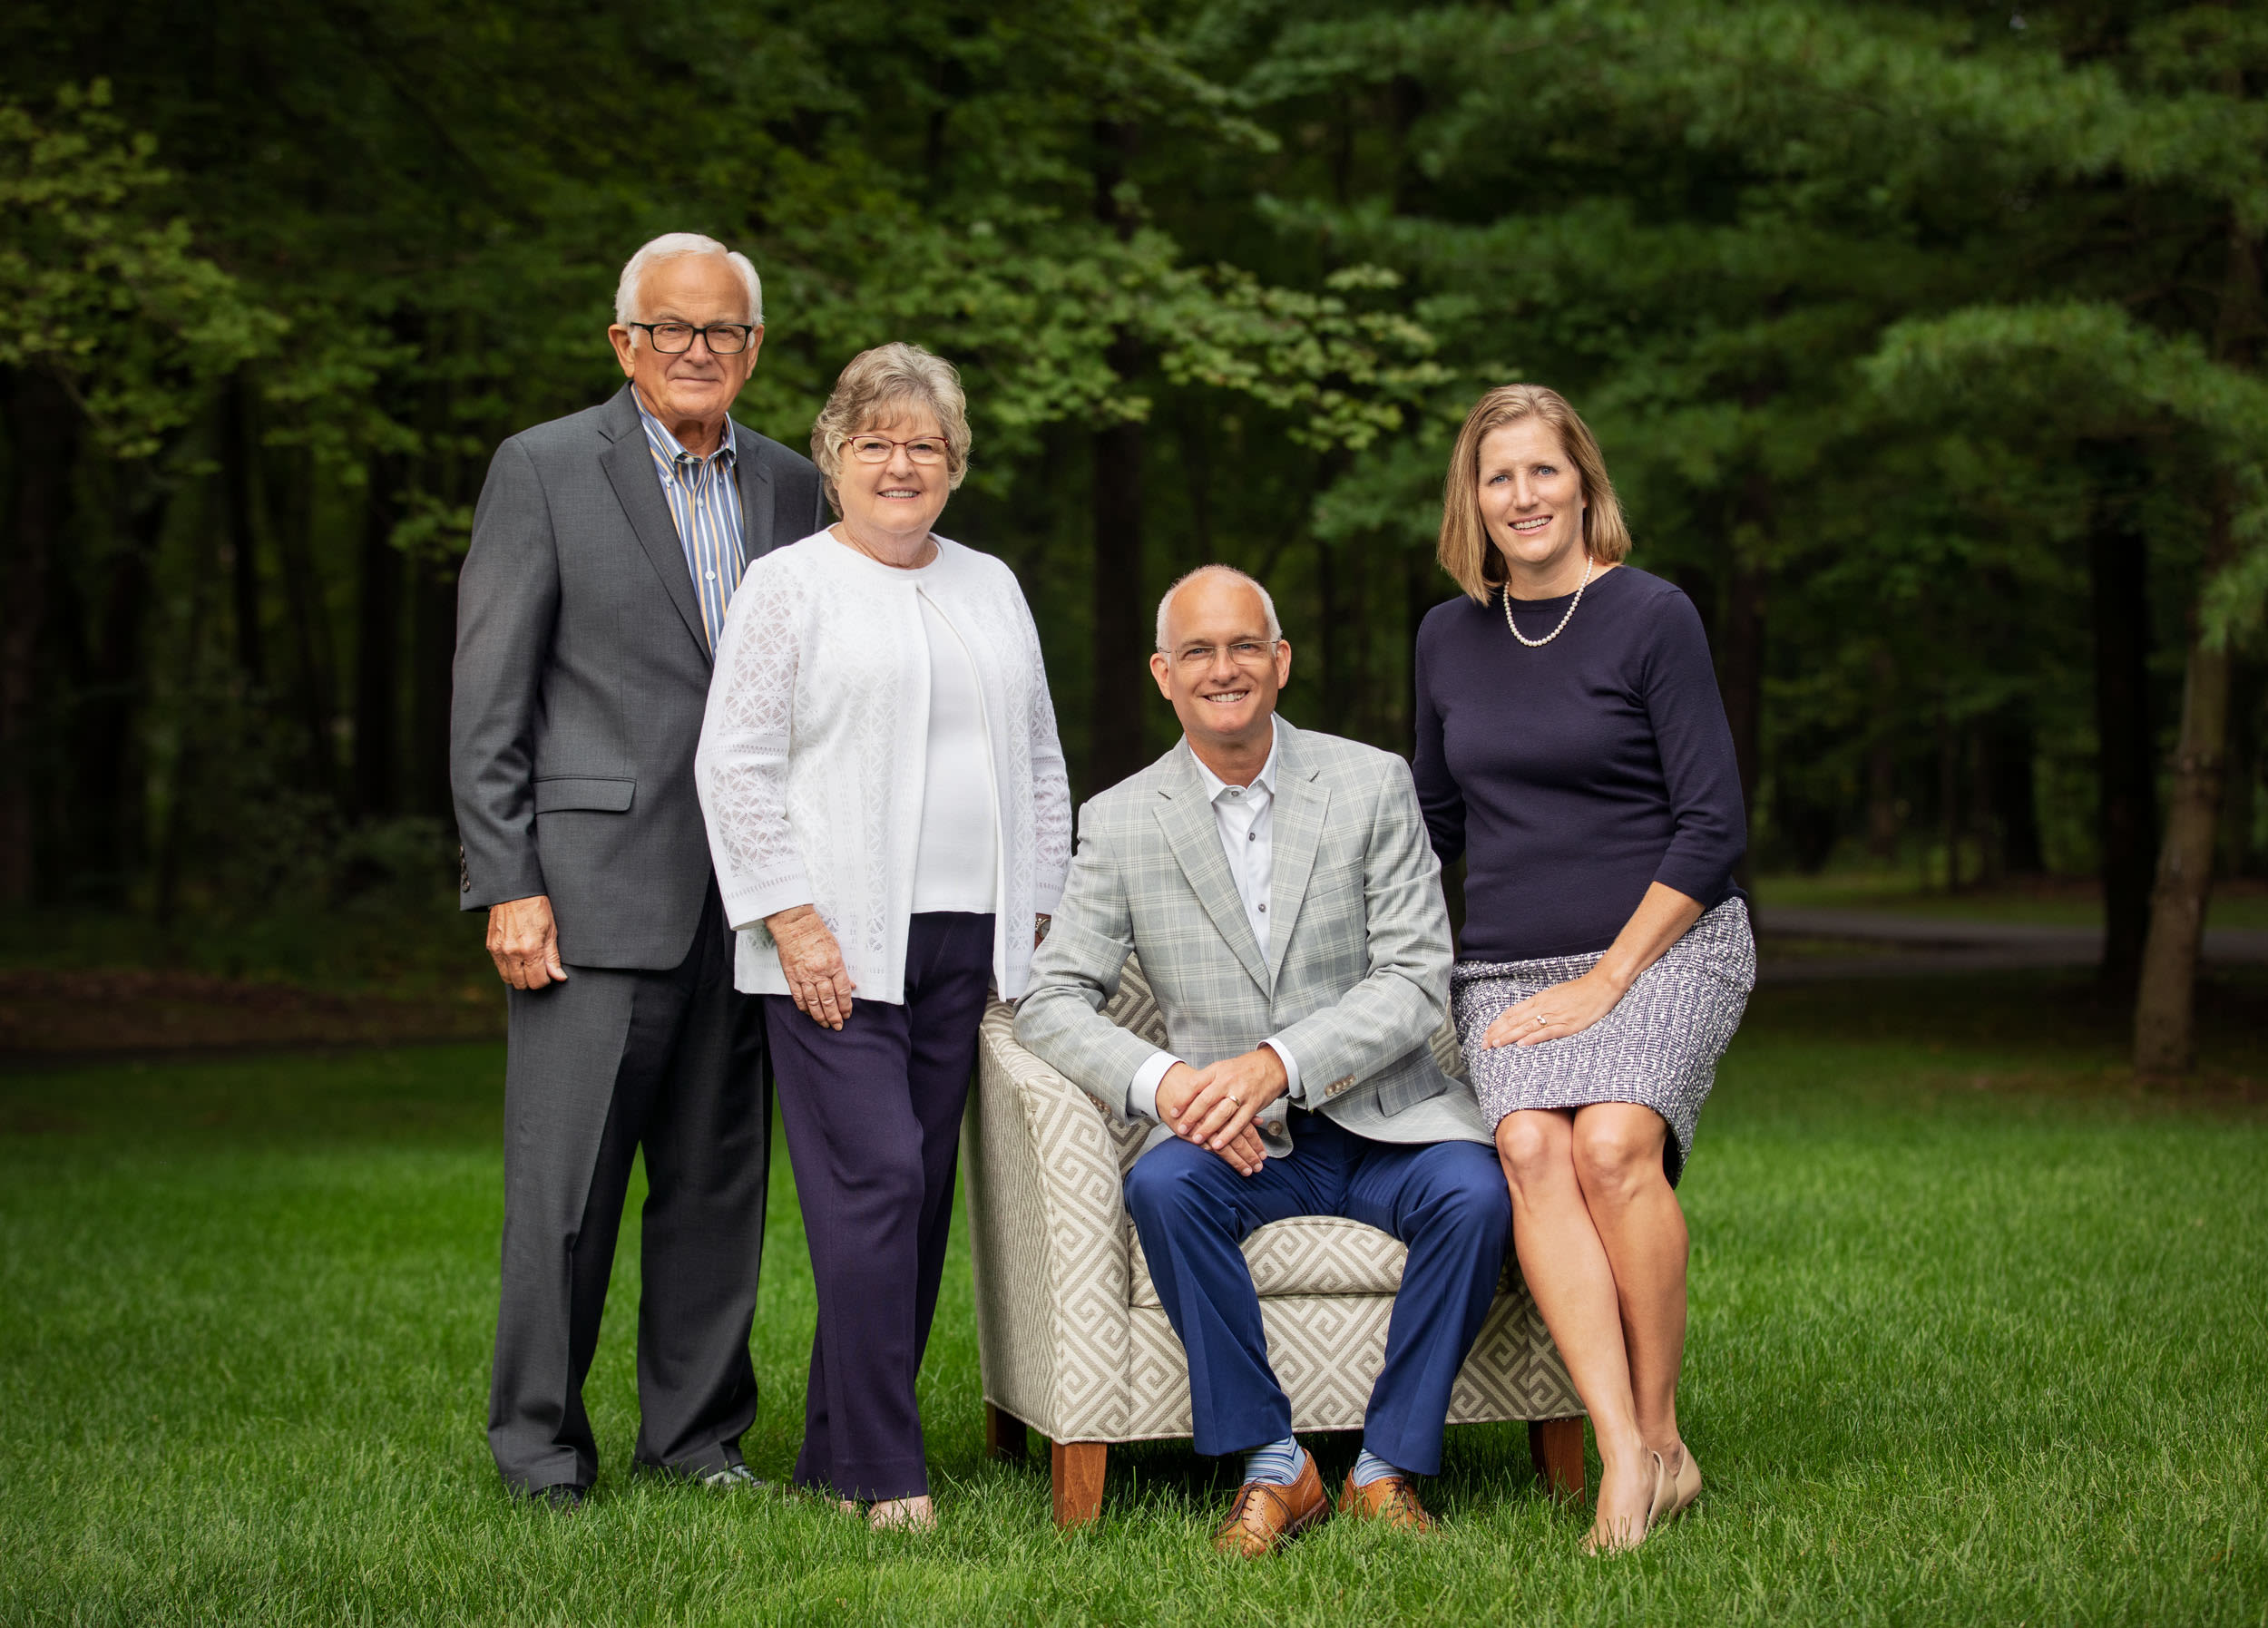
(1922,340)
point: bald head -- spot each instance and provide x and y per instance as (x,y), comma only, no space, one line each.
(1222,660)
(1215,574)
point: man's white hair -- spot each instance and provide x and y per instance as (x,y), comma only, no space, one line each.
(670,246)
(1267,604)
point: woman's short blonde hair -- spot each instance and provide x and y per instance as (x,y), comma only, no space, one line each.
(1466,553)
(883,384)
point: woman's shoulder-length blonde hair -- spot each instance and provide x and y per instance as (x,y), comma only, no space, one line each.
(878,385)
(1466,553)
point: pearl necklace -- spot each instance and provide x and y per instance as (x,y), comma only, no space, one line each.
(1537,644)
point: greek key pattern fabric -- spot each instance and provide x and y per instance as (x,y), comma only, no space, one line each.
(1073,1340)
(1305,1254)
(1659,1047)
(1057,1280)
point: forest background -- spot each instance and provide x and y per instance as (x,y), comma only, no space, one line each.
(1923,341)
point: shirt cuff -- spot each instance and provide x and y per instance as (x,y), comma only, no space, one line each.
(1141,1096)
(1291,1068)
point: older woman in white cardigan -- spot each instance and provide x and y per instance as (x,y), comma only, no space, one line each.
(887,809)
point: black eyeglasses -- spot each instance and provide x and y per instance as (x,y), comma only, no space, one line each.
(673,338)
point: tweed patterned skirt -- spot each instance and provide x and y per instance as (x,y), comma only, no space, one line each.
(1659,1047)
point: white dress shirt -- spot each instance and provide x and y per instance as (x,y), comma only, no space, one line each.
(1242,814)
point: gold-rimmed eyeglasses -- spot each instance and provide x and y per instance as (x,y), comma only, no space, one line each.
(875,449)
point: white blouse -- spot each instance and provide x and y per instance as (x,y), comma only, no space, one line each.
(956,865)
(814,755)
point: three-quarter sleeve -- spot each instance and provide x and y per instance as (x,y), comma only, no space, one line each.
(1438,797)
(1709,822)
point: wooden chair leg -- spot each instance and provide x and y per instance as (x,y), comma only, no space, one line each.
(1076,1469)
(1557,1446)
(1004,1436)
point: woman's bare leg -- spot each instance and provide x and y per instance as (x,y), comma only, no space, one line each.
(1570,1273)
(1618,1160)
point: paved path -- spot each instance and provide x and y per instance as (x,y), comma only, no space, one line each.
(1930,945)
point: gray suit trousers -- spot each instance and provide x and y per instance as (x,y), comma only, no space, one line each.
(600,1067)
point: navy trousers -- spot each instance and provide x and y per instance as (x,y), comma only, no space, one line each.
(1447,1201)
(873,1118)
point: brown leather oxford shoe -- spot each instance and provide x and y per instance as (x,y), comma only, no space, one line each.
(1265,1515)
(1390,1500)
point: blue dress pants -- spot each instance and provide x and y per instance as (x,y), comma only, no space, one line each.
(873,1116)
(1447,1201)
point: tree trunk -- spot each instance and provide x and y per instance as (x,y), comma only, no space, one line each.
(42,440)
(2014,801)
(1949,799)
(2240,785)
(315,692)
(239,471)
(377,646)
(434,643)
(1121,642)
(2166,1005)
(108,787)
(2127,806)
(2166,1008)
(1114,746)
(1882,762)
(1740,677)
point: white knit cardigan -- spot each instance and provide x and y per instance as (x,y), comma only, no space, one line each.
(813,750)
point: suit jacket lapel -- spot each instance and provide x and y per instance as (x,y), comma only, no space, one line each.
(1295,826)
(1188,821)
(756,497)
(628,465)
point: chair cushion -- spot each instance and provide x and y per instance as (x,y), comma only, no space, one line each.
(1307,1254)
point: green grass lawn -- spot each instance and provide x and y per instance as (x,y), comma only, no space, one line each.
(1978,1336)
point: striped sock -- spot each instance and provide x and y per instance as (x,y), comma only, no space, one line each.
(1371,1467)
(1279,1463)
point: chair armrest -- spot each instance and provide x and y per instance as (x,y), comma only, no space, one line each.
(1048,1234)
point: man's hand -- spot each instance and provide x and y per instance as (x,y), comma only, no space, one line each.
(1245,1153)
(1228,1095)
(813,961)
(523,942)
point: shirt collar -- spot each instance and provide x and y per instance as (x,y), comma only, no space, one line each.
(668,445)
(1264,780)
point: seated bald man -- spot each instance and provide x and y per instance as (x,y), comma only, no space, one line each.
(1280,889)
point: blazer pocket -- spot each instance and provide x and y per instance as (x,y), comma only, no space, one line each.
(602,796)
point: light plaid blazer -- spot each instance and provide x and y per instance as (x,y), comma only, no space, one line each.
(1356,977)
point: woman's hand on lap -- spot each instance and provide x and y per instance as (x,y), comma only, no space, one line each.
(1553,1014)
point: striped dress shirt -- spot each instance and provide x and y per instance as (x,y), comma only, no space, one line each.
(704,497)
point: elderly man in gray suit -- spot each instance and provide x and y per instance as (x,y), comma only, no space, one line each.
(605,550)
(1286,906)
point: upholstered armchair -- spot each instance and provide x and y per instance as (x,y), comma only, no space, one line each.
(1076,1345)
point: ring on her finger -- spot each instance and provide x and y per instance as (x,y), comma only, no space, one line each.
(1541,1020)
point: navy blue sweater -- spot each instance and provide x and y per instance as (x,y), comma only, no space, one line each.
(1574,776)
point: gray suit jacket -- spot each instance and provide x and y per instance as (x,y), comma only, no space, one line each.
(1356,977)
(582,676)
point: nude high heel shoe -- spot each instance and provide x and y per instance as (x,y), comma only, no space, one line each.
(1604,1540)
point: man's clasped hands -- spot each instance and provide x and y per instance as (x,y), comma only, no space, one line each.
(1215,1106)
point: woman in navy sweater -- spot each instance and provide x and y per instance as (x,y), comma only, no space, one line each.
(1573,747)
